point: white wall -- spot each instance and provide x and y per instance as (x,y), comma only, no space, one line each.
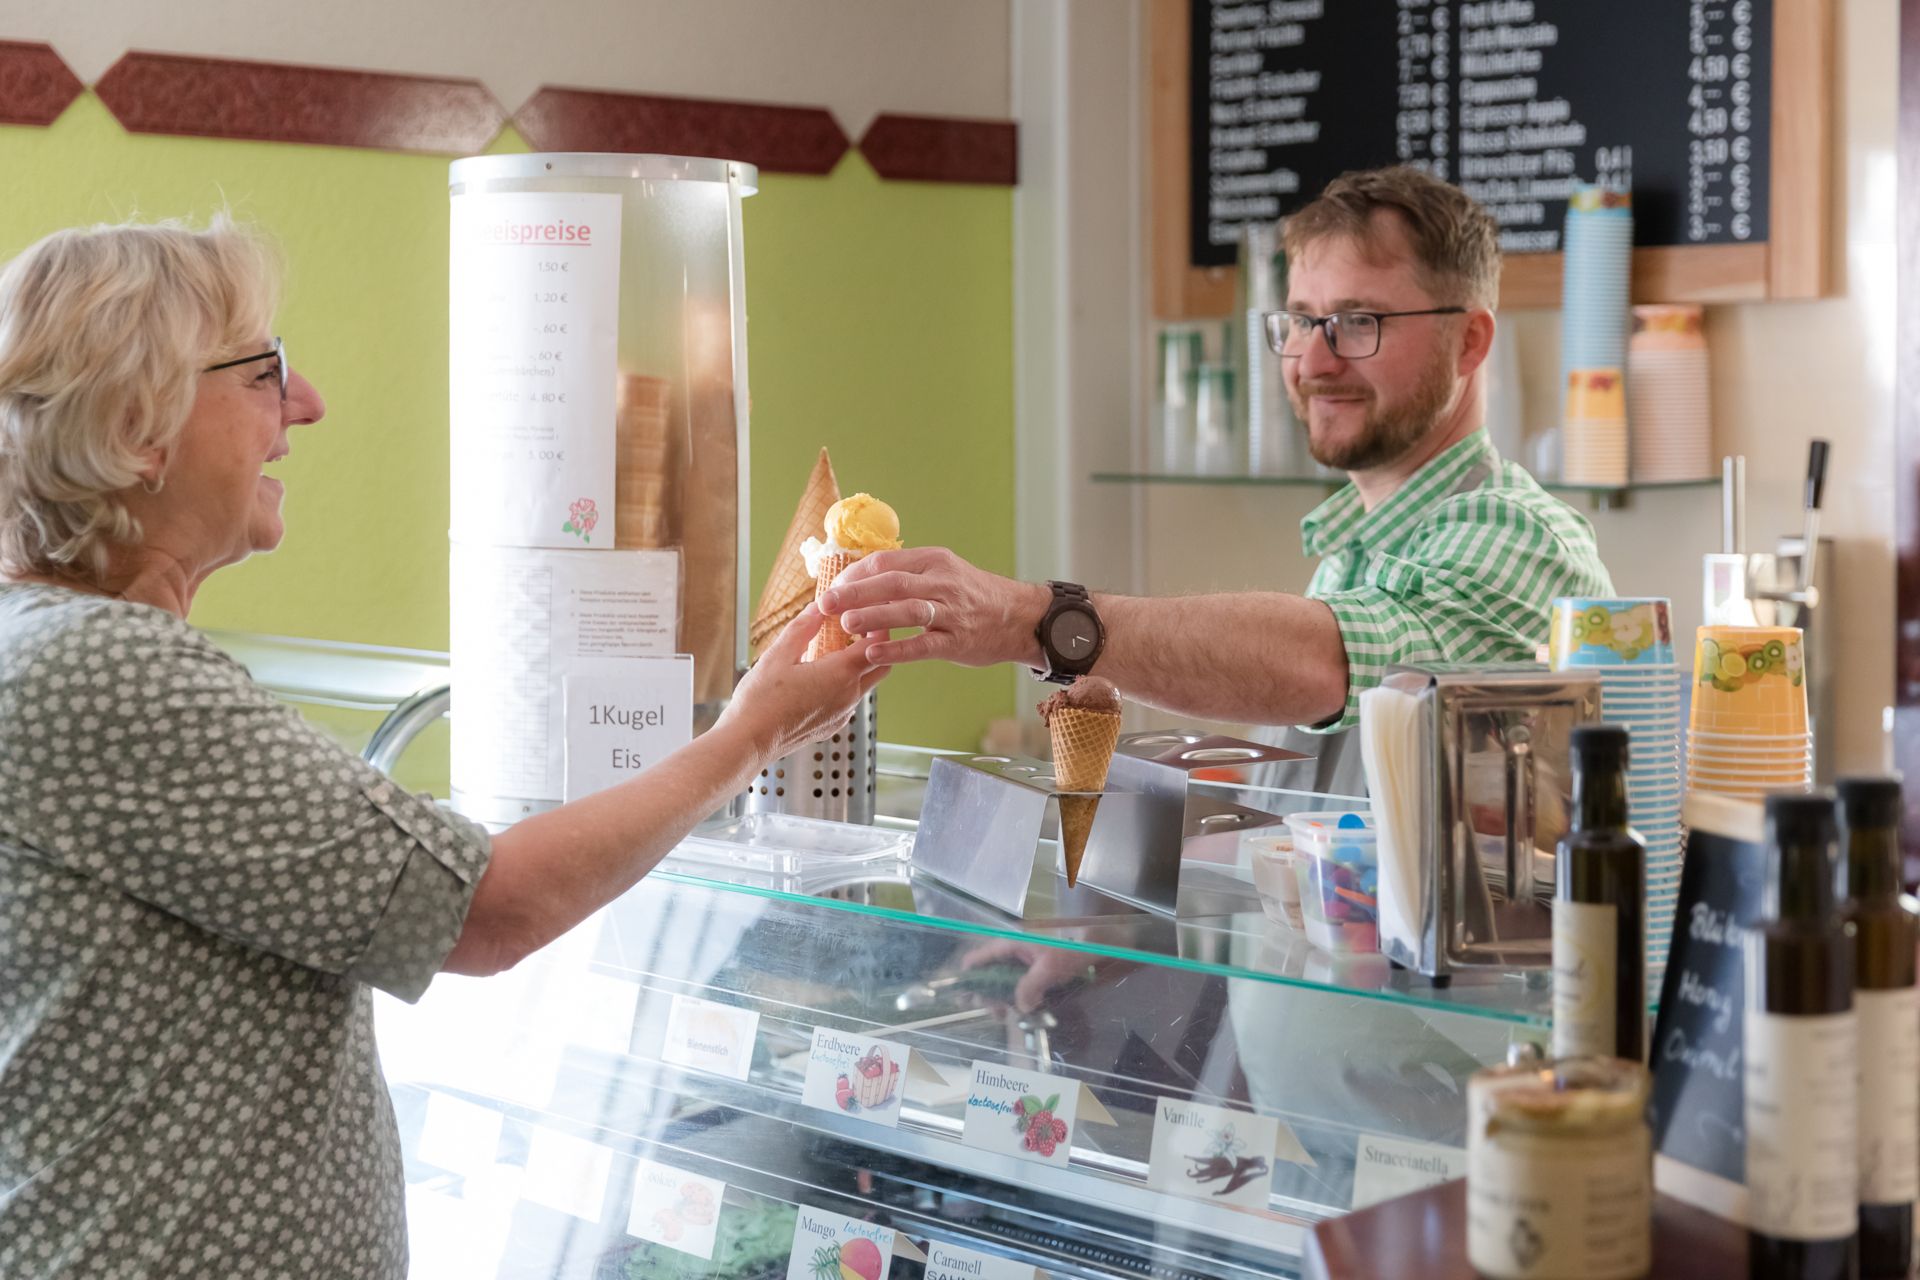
(1079,285)
(855,57)
(1784,373)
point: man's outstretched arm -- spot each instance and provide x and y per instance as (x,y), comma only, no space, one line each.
(1260,657)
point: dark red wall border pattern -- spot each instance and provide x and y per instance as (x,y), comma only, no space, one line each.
(1906,433)
(35,85)
(941,149)
(777,139)
(277,102)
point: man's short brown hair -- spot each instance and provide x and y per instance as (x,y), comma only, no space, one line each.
(1456,243)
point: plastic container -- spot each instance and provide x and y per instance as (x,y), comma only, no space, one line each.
(1337,862)
(789,845)
(1275,878)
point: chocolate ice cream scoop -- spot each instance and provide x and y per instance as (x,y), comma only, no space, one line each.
(1088,693)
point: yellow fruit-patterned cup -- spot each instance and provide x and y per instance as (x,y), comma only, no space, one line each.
(1749,680)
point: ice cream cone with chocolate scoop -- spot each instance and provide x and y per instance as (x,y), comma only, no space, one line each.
(789,586)
(855,527)
(1084,722)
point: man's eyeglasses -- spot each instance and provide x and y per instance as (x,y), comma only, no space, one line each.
(279,353)
(1350,335)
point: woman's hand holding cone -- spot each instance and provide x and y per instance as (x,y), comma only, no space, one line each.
(784,702)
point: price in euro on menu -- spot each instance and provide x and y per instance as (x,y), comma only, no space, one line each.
(1514,100)
(534,324)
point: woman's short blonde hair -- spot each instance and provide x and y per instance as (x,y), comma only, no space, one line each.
(103,334)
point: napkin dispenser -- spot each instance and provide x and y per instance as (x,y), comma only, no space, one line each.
(1472,813)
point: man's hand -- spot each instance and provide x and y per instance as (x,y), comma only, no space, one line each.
(969,616)
(1255,656)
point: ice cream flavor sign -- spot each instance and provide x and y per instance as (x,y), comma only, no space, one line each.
(1212,1153)
(675,1209)
(951,1262)
(1020,1113)
(827,1246)
(855,1075)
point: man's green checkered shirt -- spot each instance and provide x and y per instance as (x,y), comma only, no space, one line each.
(1460,565)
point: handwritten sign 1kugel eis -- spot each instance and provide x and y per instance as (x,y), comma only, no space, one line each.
(1698,1063)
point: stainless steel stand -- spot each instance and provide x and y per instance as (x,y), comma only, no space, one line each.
(981,823)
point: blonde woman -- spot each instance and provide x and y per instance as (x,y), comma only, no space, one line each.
(197,890)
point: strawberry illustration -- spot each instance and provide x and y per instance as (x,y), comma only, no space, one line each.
(843,1094)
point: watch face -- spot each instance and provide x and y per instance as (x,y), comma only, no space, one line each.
(1073,635)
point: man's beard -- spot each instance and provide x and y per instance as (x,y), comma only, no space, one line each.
(1386,434)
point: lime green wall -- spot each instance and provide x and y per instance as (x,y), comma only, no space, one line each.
(881,323)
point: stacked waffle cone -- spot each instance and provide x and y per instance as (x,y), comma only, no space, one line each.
(788,587)
(1083,744)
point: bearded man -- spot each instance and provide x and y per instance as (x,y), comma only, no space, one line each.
(1439,550)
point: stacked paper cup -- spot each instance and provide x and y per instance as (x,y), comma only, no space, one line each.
(1597,269)
(1629,642)
(1668,396)
(1596,428)
(1749,728)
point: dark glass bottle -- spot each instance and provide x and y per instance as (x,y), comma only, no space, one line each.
(1886,933)
(1599,909)
(1801,1092)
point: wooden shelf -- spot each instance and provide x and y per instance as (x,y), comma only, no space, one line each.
(1795,262)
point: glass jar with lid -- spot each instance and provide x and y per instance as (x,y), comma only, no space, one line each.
(1560,1170)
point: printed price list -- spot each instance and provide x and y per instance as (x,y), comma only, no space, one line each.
(534,328)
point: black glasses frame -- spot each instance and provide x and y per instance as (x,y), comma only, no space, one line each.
(1276,339)
(279,351)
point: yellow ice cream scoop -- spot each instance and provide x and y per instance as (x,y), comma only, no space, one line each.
(863,523)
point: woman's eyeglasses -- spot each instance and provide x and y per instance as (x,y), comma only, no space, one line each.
(279,353)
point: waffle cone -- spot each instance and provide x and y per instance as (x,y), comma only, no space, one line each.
(832,637)
(1083,743)
(1076,824)
(788,587)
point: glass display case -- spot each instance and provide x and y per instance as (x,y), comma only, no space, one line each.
(729,1052)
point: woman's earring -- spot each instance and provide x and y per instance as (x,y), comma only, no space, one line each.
(155,485)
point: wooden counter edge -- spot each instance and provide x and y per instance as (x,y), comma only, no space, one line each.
(1423,1236)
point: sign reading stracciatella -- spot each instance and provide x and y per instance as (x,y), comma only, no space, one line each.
(1514,100)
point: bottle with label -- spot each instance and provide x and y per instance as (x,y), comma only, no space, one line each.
(1599,909)
(1802,1120)
(1886,932)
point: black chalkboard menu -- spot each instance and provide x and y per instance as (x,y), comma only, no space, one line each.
(1514,100)
(1698,1058)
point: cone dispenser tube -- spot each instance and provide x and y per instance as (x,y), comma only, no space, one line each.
(598,379)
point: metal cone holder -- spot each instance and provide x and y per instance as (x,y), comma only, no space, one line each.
(981,824)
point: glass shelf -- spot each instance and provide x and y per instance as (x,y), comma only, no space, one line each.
(1358,1067)
(1335,482)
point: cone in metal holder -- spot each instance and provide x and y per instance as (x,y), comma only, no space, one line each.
(1083,743)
